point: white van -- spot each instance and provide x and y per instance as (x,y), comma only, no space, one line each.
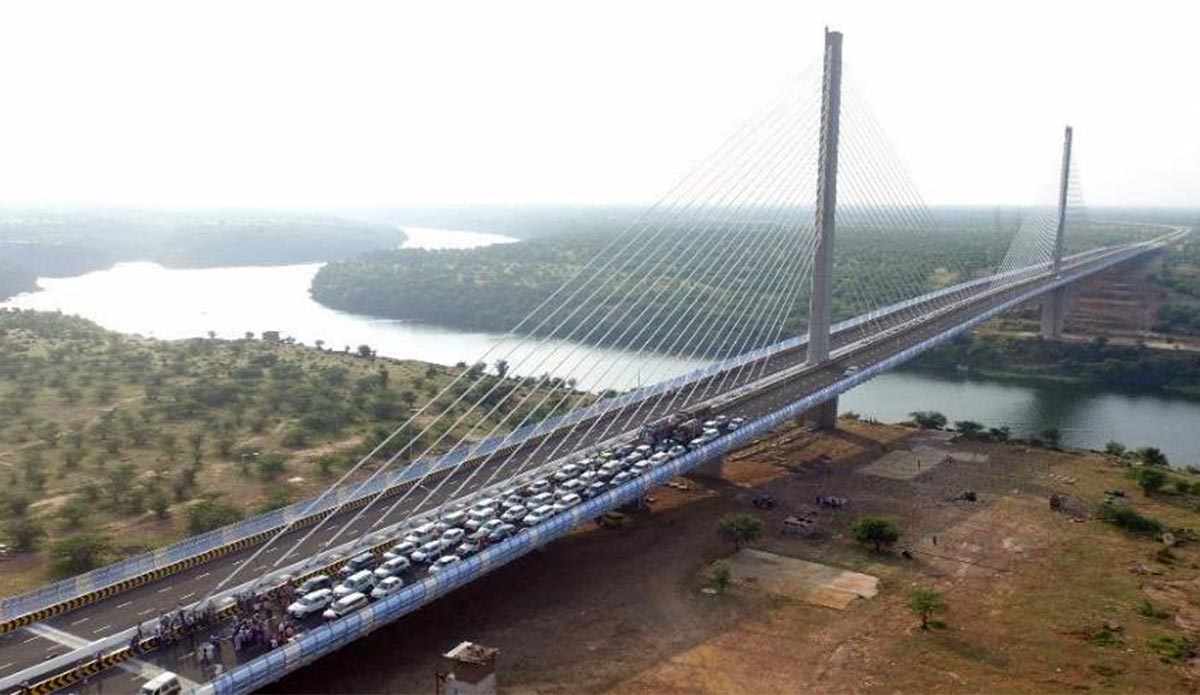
(345,606)
(165,683)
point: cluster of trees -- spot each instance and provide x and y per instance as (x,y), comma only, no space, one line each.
(188,433)
(493,288)
(1098,362)
(1181,269)
(1179,319)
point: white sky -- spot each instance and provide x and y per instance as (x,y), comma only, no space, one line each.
(310,104)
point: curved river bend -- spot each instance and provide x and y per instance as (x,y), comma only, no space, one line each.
(147,299)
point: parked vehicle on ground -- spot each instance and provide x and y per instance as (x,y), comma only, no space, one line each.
(165,683)
(393,567)
(467,549)
(501,532)
(514,514)
(400,550)
(358,562)
(452,536)
(538,515)
(428,552)
(313,583)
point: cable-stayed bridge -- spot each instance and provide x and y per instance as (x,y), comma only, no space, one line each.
(741,267)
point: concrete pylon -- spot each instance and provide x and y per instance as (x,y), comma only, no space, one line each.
(1054,303)
(820,305)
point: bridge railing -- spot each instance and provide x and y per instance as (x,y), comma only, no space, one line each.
(72,589)
(333,635)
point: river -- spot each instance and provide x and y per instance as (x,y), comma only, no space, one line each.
(148,299)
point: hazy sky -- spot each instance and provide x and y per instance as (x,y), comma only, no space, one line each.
(310,104)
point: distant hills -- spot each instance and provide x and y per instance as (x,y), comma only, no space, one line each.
(54,242)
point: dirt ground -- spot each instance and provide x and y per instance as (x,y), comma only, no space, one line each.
(1037,600)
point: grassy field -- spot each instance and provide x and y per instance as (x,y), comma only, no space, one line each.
(111,444)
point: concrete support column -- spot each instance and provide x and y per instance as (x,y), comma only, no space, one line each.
(713,470)
(820,305)
(1054,305)
(824,416)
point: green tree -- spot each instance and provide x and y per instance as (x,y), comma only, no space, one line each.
(501,368)
(721,576)
(924,602)
(1151,480)
(271,466)
(968,428)
(739,529)
(1152,456)
(25,533)
(211,514)
(928,419)
(876,531)
(1115,448)
(1051,437)
(79,553)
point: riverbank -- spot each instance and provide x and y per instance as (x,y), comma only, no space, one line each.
(1036,600)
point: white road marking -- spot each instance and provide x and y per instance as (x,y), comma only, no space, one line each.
(165,589)
(187,596)
(260,569)
(203,575)
(148,610)
(122,605)
(4,666)
(27,641)
(81,620)
(136,666)
(100,629)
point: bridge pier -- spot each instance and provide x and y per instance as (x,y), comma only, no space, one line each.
(822,416)
(712,470)
(1054,310)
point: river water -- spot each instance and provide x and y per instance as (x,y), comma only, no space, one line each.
(147,299)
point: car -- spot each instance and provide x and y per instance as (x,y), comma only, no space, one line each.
(851,370)
(643,449)
(454,518)
(360,581)
(622,477)
(426,553)
(588,477)
(596,488)
(483,502)
(310,603)
(400,550)
(623,450)
(735,423)
(425,532)
(711,425)
(393,567)
(537,487)
(567,472)
(443,562)
(721,419)
(514,514)
(387,587)
(608,470)
(711,433)
(566,502)
(313,583)
(573,485)
(538,515)
(677,450)
(632,459)
(659,458)
(357,563)
(588,464)
(466,549)
(513,501)
(478,516)
(540,499)
(452,536)
(346,605)
(501,532)
(165,683)
(641,467)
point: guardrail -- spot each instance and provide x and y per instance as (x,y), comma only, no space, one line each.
(336,634)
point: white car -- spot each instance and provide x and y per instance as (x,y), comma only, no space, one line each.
(443,562)
(387,587)
(478,516)
(401,550)
(397,565)
(574,485)
(427,552)
(566,502)
(538,515)
(358,582)
(310,603)
(453,536)
(537,487)
(513,515)
(567,472)
(346,605)
(540,499)
(659,458)
(455,518)
(622,477)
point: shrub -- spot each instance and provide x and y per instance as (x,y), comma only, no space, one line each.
(210,514)
(80,553)
(721,577)
(740,529)
(26,534)
(928,419)
(1126,518)
(924,603)
(1171,647)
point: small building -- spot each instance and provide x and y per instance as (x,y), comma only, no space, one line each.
(470,670)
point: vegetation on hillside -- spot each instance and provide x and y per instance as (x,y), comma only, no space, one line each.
(1097,362)
(493,288)
(137,442)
